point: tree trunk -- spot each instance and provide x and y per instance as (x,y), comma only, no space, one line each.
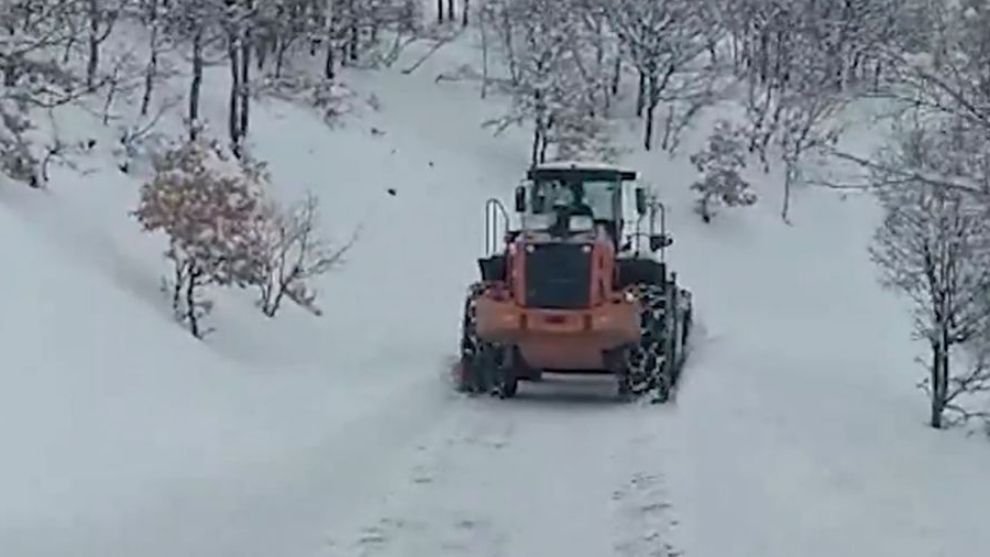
(648,130)
(261,53)
(280,58)
(276,299)
(451,14)
(790,173)
(235,83)
(616,74)
(179,277)
(191,314)
(464,13)
(440,11)
(94,44)
(509,48)
(484,54)
(150,71)
(355,34)
(937,389)
(245,82)
(197,82)
(652,100)
(537,131)
(328,61)
(641,94)
(545,138)
(705,208)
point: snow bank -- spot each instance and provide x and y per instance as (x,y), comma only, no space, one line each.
(798,429)
(123,433)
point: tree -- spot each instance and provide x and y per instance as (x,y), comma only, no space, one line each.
(101,16)
(550,81)
(808,121)
(582,137)
(720,162)
(196,21)
(30,79)
(292,253)
(210,208)
(153,17)
(934,246)
(238,23)
(661,38)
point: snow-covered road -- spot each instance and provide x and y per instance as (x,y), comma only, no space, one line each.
(560,470)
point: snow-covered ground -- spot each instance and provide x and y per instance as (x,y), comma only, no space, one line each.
(797,430)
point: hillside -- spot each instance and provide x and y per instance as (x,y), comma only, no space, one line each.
(796,431)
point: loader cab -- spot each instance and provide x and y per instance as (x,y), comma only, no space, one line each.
(571,198)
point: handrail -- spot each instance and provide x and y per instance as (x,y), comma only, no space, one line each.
(655,204)
(492,206)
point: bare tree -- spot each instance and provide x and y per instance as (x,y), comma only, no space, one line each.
(292,254)
(152,18)
(808,122)
(661,37)
(551,82)
(31,79)
(934,246)
(101,15)
(197,21)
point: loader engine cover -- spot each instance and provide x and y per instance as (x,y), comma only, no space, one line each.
(558,275)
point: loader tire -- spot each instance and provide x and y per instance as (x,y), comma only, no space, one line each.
(646,364)
(480,360)
(470,350)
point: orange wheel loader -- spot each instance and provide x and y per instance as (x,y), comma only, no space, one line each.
(578,287)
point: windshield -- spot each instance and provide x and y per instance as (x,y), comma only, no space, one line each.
(595,196)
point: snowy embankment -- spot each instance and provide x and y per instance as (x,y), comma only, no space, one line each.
(796,430)
(124,434)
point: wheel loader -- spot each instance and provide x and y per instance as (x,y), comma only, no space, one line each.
(578,286)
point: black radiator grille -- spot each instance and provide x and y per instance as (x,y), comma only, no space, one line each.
(558,276)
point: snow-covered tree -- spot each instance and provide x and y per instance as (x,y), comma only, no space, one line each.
(31,79)
(579,136)
(934,246)
(661,37)
(847,40)
(550,82)
(197,22)
(720,164)
(211,209)
(808,122)
(293,253)
(943,84)
(101,16)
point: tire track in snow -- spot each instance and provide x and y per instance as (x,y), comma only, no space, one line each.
(643,511)
(557,471)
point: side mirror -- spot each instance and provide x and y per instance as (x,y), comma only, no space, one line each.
(659,241)
(641,201)
(521,199)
